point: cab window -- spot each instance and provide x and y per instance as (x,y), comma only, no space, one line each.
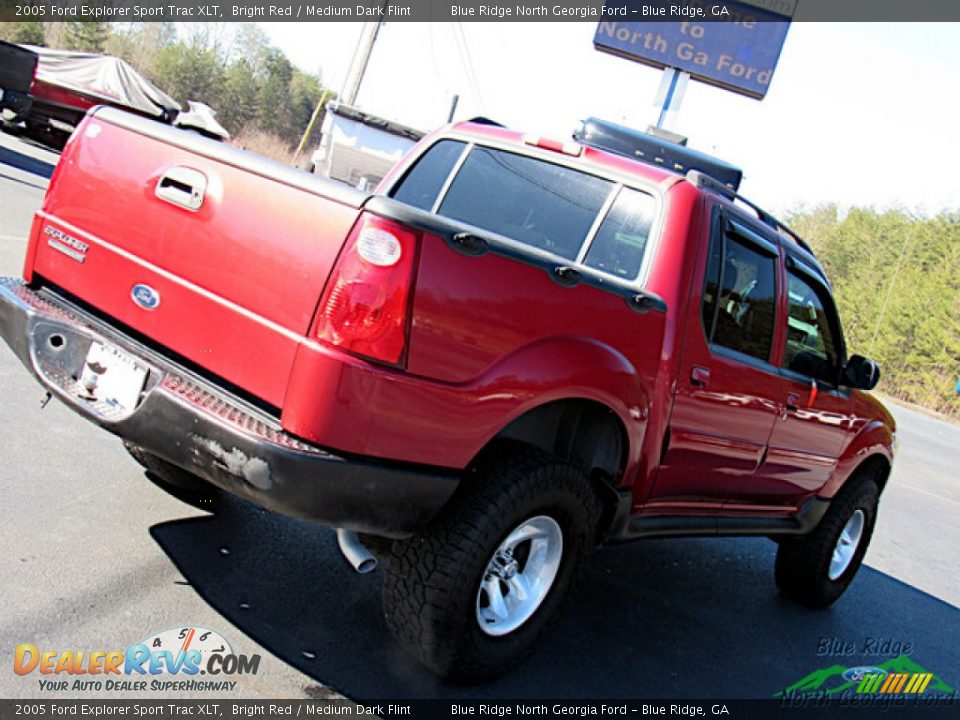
(739,296)
(811,347)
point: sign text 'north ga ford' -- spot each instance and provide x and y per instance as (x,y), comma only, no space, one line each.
(729,44)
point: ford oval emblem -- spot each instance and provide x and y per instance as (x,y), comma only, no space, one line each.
(145,296)
(855,674)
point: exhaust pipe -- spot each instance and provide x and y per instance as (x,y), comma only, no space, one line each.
(355,552)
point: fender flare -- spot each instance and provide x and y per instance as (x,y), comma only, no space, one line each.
(875,440)
(572,368)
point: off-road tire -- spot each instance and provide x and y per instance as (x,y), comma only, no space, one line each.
(802,566)
(183,485)
(432,580)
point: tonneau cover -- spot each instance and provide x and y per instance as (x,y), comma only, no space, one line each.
(104,77)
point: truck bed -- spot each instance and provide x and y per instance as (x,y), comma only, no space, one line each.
(239,275)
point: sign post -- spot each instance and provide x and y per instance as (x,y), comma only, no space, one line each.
(673,85)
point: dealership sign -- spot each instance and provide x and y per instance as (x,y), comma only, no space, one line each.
(734,45)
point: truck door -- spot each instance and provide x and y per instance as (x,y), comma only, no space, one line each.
(809,436)
(727,391)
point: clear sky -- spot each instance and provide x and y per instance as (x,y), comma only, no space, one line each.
(857,113)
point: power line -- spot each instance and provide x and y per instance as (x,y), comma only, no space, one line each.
(467,61)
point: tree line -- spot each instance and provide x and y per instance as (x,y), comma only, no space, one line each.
(231,67)
(896,278)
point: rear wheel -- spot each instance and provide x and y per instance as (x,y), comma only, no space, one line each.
(816,569)
(178,482)
(472,594)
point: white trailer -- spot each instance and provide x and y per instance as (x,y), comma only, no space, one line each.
(358,148)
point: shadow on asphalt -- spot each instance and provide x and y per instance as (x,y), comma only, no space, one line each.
(693,618)
(32,165)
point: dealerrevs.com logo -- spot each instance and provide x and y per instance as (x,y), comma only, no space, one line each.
(172,660)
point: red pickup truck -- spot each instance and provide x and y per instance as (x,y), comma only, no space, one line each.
(516,350)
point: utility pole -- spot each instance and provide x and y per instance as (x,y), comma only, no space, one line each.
(313,121)
(361,58)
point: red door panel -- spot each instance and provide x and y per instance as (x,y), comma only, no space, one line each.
(804,446)
(807,440)
(727,391)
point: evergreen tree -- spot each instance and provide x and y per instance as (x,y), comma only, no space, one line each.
(29,33)
(897,287)
(86,36)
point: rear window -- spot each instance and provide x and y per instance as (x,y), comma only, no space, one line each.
(621,240)
(547,206)
(554,208)
(423,183)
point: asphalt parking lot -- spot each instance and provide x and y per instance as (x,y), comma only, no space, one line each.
(96,557)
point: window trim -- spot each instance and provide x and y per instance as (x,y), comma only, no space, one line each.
(597,224)
(743,358)
(454,171)
(758,241)
(717,224)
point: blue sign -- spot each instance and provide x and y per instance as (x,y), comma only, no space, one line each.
(733,45)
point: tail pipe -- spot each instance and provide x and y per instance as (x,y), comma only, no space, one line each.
(355,552)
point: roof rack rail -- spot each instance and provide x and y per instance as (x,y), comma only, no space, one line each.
(481,120)
(702,180)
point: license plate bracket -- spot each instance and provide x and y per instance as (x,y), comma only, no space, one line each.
(112,376)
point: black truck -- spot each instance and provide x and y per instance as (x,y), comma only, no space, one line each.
(17,68)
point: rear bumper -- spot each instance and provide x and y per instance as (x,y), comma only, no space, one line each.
(193,424)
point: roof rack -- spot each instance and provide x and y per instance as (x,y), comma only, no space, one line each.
(481,120)
(702,180)
(657,148)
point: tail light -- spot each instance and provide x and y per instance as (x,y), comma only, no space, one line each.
(365,307)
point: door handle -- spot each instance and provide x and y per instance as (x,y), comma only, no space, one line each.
(699,376)
(183,187)
(793,402)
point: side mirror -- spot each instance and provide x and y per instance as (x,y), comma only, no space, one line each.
(861,373)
